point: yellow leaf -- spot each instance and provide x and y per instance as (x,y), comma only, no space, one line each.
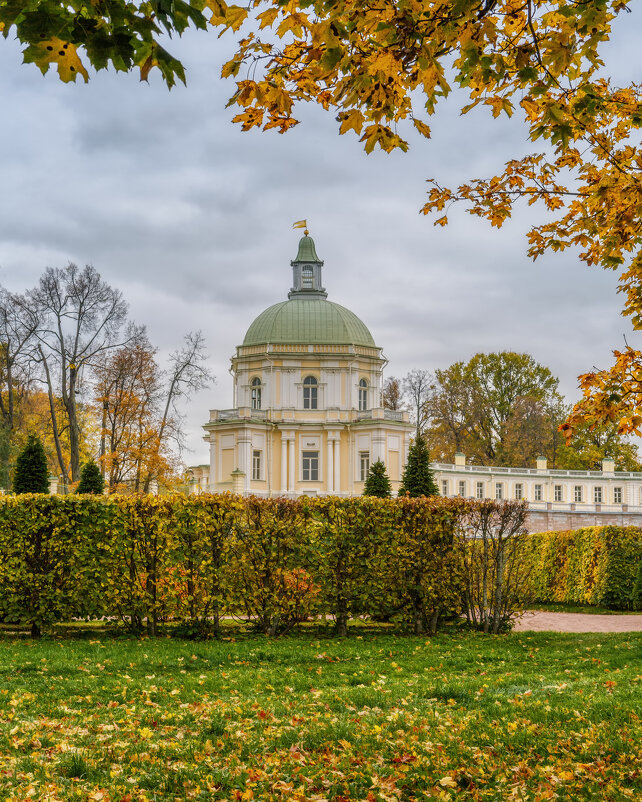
(64,55)
(267,17)
(423,129)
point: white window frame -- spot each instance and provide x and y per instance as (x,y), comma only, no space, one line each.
(310,392)
(444,487)
(558,493)
(617,495)
(257,465)
(308,459)
(519,491)
(461,488)
(364,465)
(499,491)
(578,494)
(363,395)
(598,495)
(538,492)
(479,491)
(255,394)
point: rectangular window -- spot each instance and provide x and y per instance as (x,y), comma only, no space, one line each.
(310,462)
(499,491)
(597,495)
(444,487)
(577,493)
(480,490)
(519,491)
(559,493)
(256,465)
(307,283)
(364,465)
(617,495)
(462,488)
(538,492)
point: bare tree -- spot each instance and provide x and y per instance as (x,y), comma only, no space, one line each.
(495,573)
(187,374)
(416,388)
(79,317)
(17,341)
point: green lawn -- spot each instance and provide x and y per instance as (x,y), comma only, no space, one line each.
(374,717)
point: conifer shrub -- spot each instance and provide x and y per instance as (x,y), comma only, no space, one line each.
(377,482)
(418,478)
(91,479)
(32,473)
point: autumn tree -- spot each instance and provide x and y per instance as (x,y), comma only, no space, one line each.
(392,394)
(453,408)
(127,396)
(592,444)
(138,404)
(481,407)
(532,430)
(16,344)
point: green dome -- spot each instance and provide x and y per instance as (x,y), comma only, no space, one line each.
(308,322)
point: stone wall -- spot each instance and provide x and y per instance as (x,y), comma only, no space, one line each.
(560,520)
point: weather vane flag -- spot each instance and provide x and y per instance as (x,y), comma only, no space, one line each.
(301,224)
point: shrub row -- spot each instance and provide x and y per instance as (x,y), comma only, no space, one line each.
(275,562)
(598,565)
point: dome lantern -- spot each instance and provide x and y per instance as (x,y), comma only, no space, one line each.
(306,272)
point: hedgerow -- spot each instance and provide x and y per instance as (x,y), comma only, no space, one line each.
(148,560)
(597,565)
(275,562)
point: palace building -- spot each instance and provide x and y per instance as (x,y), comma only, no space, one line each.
(307,416)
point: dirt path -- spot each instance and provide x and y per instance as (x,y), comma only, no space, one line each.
(538,621)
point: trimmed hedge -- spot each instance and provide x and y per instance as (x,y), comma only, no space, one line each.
(150,559)
(597,565)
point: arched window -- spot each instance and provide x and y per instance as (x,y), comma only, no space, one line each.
(363,395)
(255,384)
(310,392)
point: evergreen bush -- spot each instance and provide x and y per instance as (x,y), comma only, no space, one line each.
(377,482)
(418,478)
(91,480)
(32,473)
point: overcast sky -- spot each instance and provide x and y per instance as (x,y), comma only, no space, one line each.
(191,219)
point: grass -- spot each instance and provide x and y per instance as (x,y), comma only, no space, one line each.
(373,717)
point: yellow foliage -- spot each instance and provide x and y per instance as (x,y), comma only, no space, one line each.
(64,55)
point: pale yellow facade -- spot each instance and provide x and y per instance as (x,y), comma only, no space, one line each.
(307,416)
(339,440)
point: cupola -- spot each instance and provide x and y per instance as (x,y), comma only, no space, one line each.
(306,272)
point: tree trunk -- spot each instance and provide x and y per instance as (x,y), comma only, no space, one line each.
(418,614)
(499,588)
(35,630)
(54,419)
(74,429)
(341,626)
(434,620)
